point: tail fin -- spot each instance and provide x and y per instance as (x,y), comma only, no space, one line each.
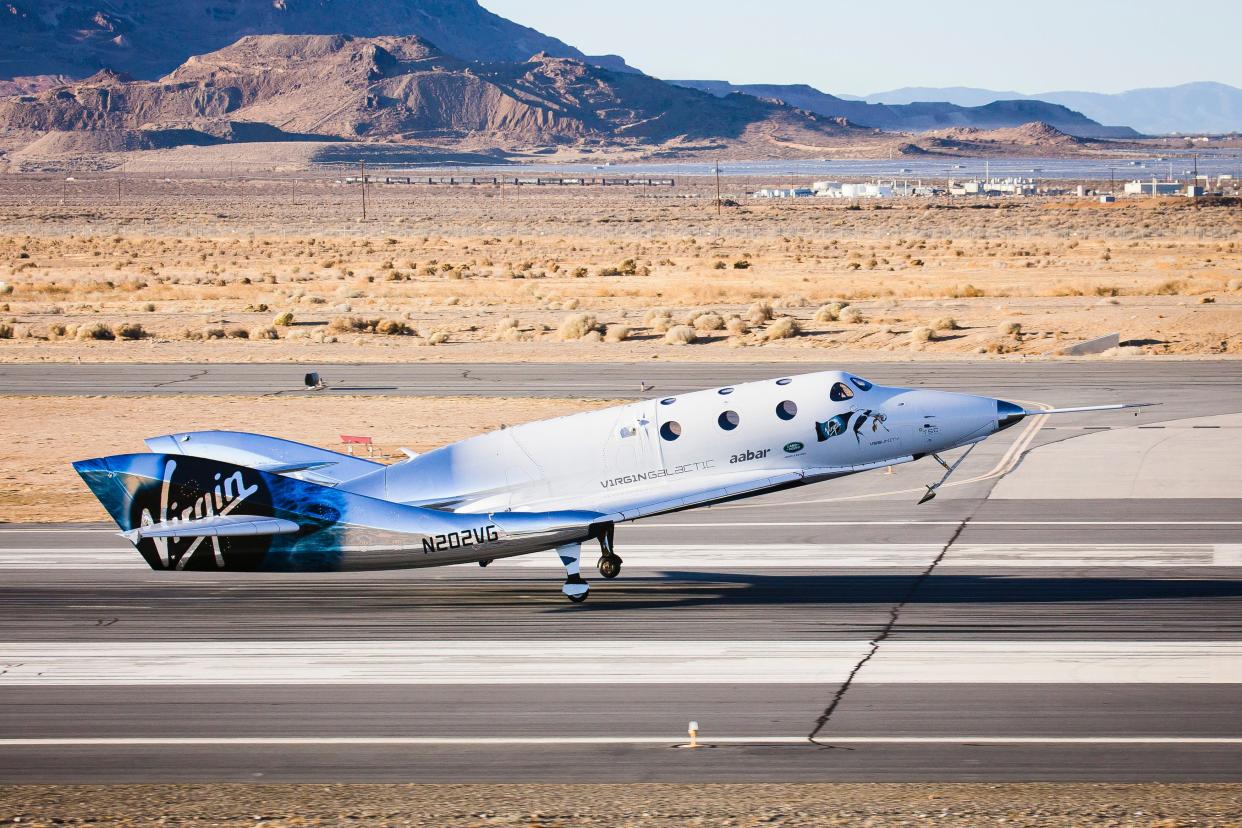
(161,492)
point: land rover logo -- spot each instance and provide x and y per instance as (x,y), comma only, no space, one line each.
(793,448)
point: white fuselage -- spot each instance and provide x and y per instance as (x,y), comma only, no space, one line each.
(823,425)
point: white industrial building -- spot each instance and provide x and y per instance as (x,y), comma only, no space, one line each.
(993,186)
(776,192)
(835,189)
(1153,187)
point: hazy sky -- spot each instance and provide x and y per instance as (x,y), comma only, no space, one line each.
(863,47)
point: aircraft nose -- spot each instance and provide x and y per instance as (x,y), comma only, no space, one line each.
(1008,414)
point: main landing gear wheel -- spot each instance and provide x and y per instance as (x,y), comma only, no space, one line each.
(609,566)
(609,563)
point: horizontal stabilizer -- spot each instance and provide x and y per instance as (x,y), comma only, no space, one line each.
(289,468)
(216,526)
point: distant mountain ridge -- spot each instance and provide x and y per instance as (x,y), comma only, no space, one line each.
(1190,107)
(280,87)
(921,117)
(149,38)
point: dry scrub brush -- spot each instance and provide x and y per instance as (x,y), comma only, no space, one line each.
(784,328)
(681,335)
(576,326)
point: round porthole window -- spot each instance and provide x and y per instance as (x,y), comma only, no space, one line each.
(787,410)
(729,420)
(784,381)
(725,391)
(671,430)
(668,401)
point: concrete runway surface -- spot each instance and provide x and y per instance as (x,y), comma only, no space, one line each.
(1083,622)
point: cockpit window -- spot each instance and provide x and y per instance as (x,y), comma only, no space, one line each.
(840,392)
(862,384)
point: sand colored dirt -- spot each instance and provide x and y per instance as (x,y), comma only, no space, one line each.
(620,806)
(203,270)
(43,435)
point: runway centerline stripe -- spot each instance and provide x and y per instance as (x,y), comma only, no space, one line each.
(556,741)
(616,661)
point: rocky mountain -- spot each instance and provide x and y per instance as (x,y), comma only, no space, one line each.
(149,38)
(921,117)
(401,88)
(1035,138)
(1190,107)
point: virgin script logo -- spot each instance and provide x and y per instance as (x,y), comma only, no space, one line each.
(226,495)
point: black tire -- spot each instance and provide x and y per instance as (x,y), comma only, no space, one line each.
(610,566)
(578,599)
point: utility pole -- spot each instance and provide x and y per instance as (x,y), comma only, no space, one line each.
(364,190)
(719,202)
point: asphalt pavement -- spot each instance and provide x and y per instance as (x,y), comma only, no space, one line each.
(834,632)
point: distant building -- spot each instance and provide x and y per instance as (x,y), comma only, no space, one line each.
(834,189)
(1107,199)
(776,192)
(1153,187)
(993,187)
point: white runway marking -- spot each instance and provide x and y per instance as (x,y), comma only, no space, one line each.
(596,661)
(569,741)
(659,557)
(821,556)
(72,558)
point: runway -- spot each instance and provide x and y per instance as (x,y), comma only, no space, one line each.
(1086,380)
(1059,637)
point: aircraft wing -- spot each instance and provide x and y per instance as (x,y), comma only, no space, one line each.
(637,502)
(267,454)
(632,504)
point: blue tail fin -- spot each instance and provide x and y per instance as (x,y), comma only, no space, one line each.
(143,489)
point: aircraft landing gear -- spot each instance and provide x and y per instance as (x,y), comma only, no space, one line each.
(609,566)
(575,589)
(609,563)
(948,470)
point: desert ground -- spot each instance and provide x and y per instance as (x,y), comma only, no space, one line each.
(645,805)
(216,265)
